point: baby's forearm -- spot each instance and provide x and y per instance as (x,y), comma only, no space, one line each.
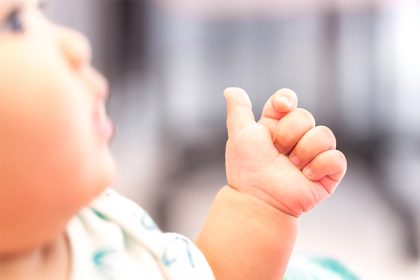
(245,238)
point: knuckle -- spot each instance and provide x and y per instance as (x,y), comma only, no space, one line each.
(306,115)
(282,141)
(305,150)
(328,136)
(341,157)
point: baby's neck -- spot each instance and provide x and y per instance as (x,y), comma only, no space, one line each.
(50,261)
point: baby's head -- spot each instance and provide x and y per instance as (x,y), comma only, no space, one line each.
(54,133)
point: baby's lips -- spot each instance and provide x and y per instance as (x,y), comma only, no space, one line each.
(104,124)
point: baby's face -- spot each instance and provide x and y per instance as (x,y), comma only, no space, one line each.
(54,133)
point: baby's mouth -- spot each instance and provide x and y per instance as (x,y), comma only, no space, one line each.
(103,122)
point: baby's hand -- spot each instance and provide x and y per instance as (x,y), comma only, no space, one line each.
(283,159)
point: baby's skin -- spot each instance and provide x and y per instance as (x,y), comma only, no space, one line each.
(55,159)
(284,159)
(276,168)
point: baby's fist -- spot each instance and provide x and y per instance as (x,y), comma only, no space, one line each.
(284,159)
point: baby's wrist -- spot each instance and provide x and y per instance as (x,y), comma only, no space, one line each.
(242,230)
(263,198)
(256,205)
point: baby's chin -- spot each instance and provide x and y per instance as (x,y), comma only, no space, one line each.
(44,212)
(18,246)
(107,174)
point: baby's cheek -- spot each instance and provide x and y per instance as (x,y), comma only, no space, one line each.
(90,165)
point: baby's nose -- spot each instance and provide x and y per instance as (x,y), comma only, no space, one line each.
(75,47)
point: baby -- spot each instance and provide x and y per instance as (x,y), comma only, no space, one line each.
(59,220)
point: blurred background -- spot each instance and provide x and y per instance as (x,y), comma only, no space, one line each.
(354,64)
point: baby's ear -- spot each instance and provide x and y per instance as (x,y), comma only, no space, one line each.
(239,110)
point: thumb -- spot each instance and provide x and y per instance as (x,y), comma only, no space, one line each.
(239,110)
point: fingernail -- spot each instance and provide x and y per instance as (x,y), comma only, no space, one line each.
(284,100)
(307,171)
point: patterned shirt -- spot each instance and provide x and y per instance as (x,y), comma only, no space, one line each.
(114,238)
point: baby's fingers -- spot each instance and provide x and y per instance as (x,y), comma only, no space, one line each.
(327,168)
(317,140)
(239,110)
(278,105)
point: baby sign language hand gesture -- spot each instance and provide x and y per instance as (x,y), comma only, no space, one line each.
(283,159)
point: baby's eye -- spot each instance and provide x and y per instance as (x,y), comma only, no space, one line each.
(14,22)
